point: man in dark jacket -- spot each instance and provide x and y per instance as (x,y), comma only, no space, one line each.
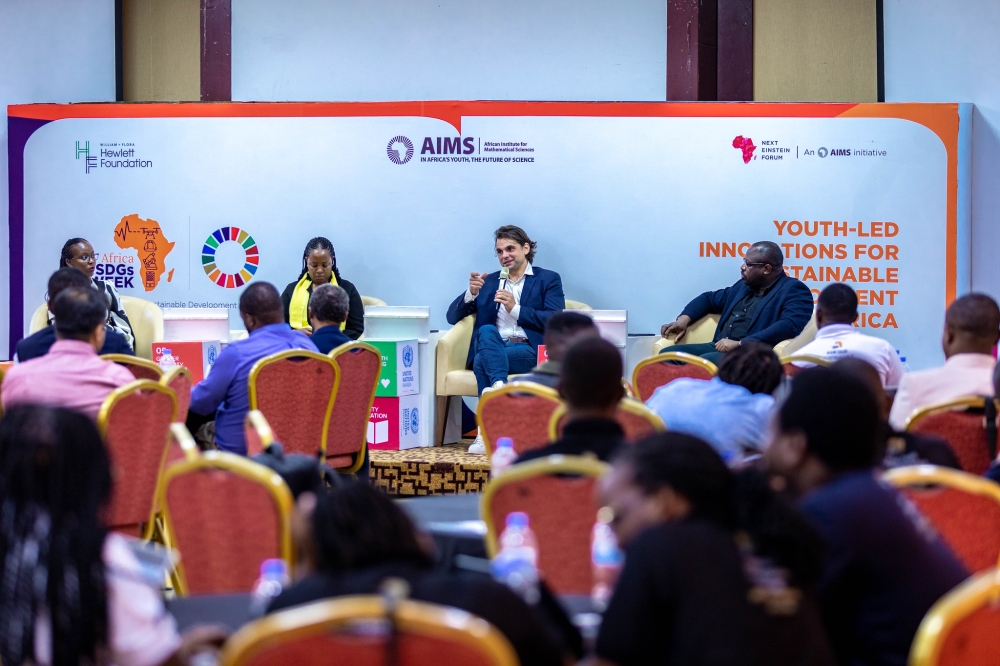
(766,305)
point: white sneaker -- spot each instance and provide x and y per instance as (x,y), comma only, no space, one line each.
(497,384)
(478,446)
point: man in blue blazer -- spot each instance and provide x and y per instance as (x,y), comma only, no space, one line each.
(766,305)
(510,317)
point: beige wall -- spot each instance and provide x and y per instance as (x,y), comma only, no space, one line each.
(161,50)
(815,51)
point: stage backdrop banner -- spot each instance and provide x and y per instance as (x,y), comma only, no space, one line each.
(639,206)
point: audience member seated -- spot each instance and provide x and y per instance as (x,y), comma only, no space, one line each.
(39,343)
(766,305)
(898,449)
(691,590)
(328,307)
(225,393)
(971,329)
(70,591)
(71,375)
(561,329)
(837,337)
(78,253)
(884,568)
(729,411)
(319,267)
(591,386)
(353,538)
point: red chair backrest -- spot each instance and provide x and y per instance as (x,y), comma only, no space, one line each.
(965,434)
(360,369)
(143,372)
(294,396)
(138,427)
(968,523)
(635,426)
(791,369)
(972,641)
(224,526)
(654,375)
(366,649)
(562,511)
(524,417)
(181,384)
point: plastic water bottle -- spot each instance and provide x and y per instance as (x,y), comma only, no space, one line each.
(516,565)
(902,359)
(606,559)
(504,456)
(273,579)
(166,360)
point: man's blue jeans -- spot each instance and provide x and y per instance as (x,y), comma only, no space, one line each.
(496,358)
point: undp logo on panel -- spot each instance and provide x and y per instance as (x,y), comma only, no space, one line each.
(407,356)
(399,150)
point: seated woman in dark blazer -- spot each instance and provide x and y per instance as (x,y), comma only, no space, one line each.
(319,266)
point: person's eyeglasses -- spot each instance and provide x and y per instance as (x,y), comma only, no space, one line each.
(86,257)
(755,263)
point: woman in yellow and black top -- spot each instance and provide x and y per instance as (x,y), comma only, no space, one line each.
(319,266)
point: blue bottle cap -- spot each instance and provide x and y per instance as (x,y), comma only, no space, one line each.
(505,441)
(273,567)
(517,519)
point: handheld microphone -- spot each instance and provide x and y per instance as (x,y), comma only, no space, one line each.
(504,276)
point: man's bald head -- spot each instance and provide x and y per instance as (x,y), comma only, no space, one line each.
(971,325)
(260,305)
(769,252)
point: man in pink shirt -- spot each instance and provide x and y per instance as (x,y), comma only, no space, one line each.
(971,329)
(71,375)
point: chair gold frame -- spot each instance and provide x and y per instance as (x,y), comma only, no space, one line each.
(976,592)
(180,434)
(256,420)
(104,414)
(334,353)
(683,357)
(630,405)
(322,617)
(269,479)
(530,388)
(125,359)
(298,353)
(173,372)
(921,475)
(550,465)
(957,404)
(806,358)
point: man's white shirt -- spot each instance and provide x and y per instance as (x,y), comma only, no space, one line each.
(507,321)
(838,341)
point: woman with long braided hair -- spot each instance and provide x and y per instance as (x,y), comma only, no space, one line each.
(71,592)
(319,266)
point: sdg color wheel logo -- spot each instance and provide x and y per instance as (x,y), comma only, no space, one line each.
(230,240)
(400,150)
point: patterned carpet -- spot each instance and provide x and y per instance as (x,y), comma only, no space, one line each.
(442,470)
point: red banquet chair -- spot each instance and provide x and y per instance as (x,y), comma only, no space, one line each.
(636,419)
(558,494)
(519,410)
(961,629)
(257,432)
(179,379)
(353,630)
(140,368)
(965,431)
(295,391)
(360,369)
(656,371)
(135,423)
(225,514)
(790,369)
(964,509)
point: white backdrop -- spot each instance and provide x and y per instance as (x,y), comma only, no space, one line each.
(410,233)
(52,51)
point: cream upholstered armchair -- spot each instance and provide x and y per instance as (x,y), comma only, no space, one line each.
(451,377)
(371,300)
(145,316)
(703,330)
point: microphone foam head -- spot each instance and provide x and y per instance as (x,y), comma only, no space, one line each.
(504,273)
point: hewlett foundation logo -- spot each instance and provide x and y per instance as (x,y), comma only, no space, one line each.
(90,162)
(111,156)
(400,150)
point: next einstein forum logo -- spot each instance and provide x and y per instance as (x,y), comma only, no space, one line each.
(110,156)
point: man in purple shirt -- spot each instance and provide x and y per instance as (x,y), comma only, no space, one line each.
(71,375)
(225,391)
